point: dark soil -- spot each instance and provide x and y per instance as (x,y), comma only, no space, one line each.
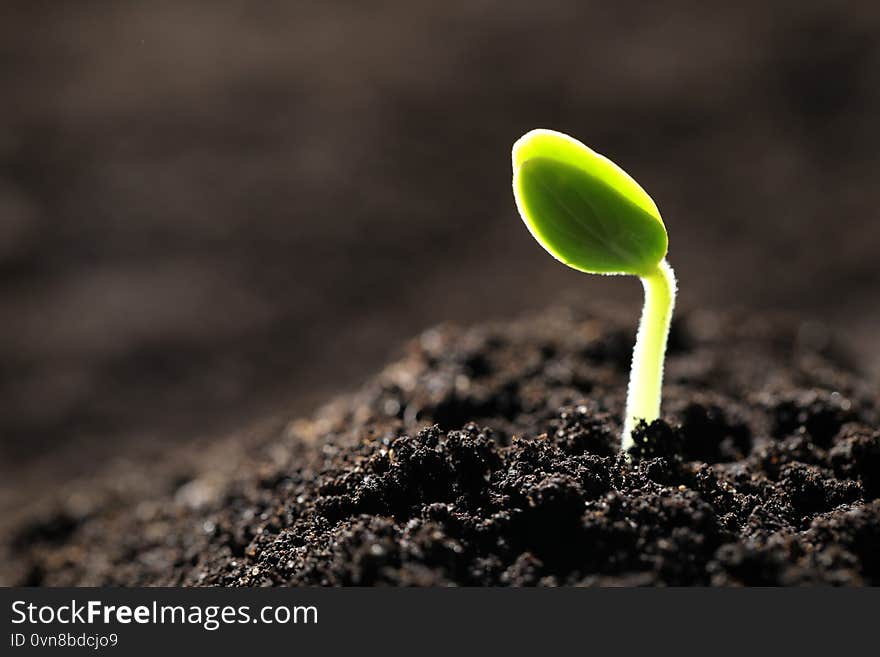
(489,456)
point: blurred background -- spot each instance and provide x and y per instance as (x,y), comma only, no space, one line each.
(212,211)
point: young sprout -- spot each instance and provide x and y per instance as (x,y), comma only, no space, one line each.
(589,214)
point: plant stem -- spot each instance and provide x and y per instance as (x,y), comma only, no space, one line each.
(646,375)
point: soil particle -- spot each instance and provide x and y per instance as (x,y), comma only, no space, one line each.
(490,456)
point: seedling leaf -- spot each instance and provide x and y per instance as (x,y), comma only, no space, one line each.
(583,209)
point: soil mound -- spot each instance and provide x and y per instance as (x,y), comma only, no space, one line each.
(489,456)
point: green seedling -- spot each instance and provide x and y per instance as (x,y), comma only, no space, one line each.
(589,214)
